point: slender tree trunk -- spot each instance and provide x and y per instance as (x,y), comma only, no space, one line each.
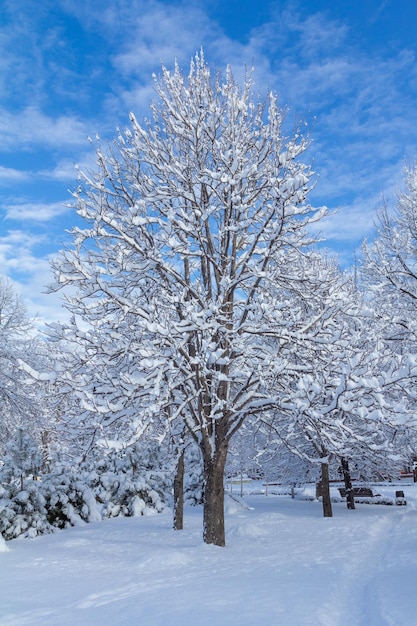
(350,500)
(179,494)
(213,507)
(45,437)
(327,503)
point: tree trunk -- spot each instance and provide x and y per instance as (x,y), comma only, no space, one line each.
(179,494)
(327,503)
(350,500)
(213,507)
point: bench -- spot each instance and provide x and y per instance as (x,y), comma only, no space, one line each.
(359,492)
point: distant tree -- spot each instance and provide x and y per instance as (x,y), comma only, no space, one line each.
(23,457)
(189,217)
(243,462)
(20,401)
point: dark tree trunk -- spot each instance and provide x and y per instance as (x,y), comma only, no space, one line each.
(327,503)
(179,494)
(213,506)
(350,500)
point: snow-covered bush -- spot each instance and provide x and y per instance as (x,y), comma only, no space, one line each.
(69,500)
(126,496)
(110,483)
(23,457)
(22,504)
(130,482)
(23,512)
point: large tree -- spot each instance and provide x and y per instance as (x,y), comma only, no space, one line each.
(189,217)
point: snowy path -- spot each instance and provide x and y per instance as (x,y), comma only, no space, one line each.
(354,601)
(284,565)
(395,579)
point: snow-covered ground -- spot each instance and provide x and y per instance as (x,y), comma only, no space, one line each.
(283,565)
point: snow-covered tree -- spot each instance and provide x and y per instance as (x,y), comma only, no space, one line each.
(189,217)
(23,457)
(20,402)
(390,263)
(243,458)
(338,389)
(389,276)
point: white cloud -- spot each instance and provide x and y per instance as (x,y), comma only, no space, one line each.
(10,176)
(31,127)
(35,211)
(349,224)
(66,169)
(152,42)
(30,275)
(16,251)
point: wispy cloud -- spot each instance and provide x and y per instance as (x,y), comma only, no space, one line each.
(17,252)
(152,42)
(35,211)
(31,127)
(30,274)
(10,176)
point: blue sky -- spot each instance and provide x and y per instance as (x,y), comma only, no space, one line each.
(69,70)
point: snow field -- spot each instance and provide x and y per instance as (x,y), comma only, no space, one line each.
(284,565)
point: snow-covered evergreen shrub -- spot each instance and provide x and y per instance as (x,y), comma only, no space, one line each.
(69,500)
(59,500)
(130,482)
(113,483)
(23,457)
(22,504)
(23,512)
(129,497)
